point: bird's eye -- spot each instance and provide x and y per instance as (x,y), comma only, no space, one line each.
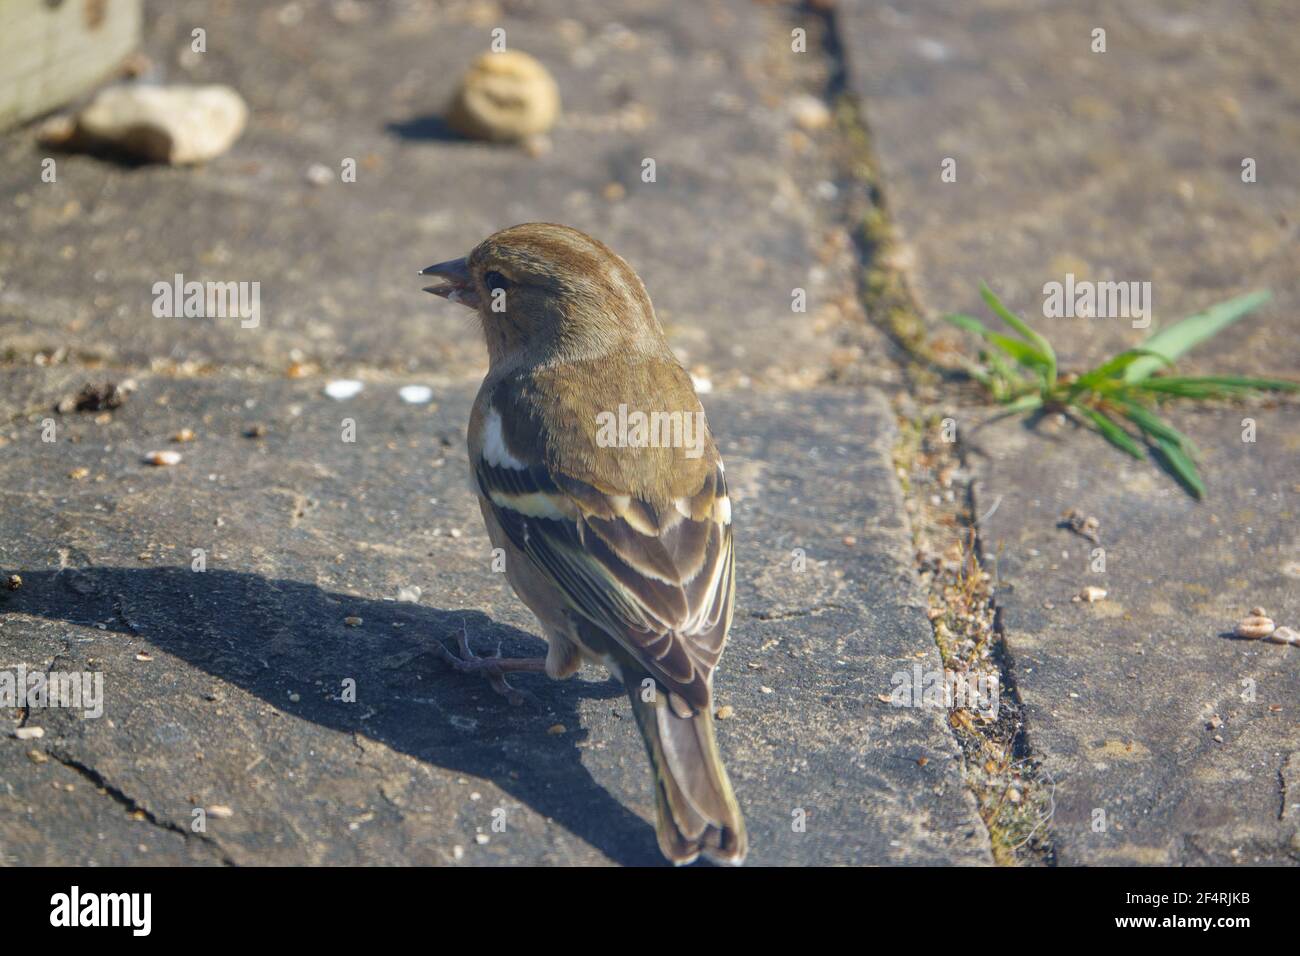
(495,280)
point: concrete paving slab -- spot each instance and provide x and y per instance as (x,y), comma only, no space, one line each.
(1117,166)
(224,688)
(1142,706)
(729,227)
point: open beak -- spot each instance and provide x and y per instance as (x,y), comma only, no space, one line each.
(457,284)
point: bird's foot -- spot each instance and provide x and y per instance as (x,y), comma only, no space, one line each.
(494,668)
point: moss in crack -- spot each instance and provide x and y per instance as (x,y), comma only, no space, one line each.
(886,295)
(1015,799)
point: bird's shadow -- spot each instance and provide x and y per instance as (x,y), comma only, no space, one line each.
(270,636)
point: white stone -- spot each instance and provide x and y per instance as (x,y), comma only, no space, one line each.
(167,124)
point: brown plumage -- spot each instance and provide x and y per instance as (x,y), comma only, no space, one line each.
(622,550)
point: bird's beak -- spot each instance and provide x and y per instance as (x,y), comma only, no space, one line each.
(458,285)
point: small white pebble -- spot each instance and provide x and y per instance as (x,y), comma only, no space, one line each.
(318,174)
(481,838)
(458,852)
(343,388)
(416,394)
(29,733)
(409,594)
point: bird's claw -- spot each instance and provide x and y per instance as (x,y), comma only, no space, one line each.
(494,667)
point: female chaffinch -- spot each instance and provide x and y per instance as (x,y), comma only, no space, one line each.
(618,540)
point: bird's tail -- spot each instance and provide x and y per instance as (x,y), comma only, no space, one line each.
(697,811)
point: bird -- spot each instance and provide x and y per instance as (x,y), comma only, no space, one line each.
(616,533)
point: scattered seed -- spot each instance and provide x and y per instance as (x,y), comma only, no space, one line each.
(78,473)
(555,729)
(409,594)
(29,733)
(35,756)
(163,458)
(184,435)
(481,838)
(810,113)
(1284,635)
(725,712)
(1090,594)
(220,811)
(142,656)
(1086,526)
(1254,627)
(352,621)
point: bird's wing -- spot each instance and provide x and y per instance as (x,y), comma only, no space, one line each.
(657,580)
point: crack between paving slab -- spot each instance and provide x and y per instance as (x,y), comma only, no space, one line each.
(1015,800)
(132,807)
(882,279)
(803,612)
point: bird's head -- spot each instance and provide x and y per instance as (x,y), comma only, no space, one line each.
(544,291)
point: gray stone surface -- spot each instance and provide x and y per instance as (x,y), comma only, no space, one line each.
(730,226)
(1123,165)
(223,687)
(1126,166)
(1124,697)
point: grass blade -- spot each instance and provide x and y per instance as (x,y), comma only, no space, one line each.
(1182,466)
(1016,322)
(1022,352)
(1176,340)
(1109,370)
(1113,433)
(1025,403)
(1212,386)
(1153,425)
